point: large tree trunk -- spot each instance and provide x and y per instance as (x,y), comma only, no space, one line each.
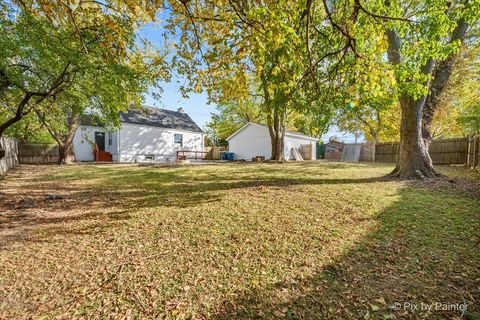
(441,75)
(276,128)
(277,138)
(64,141)
(65,148)
(413,159)
(65,154)
(415,133)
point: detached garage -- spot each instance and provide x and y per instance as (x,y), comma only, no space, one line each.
(253,140)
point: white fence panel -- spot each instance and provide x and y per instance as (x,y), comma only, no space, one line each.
(10,160)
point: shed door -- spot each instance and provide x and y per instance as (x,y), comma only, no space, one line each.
(100,140)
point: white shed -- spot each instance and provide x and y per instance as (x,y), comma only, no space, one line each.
(253,140)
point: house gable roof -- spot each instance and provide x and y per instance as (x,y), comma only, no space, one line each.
(241,129)
(153,117)
(287,133)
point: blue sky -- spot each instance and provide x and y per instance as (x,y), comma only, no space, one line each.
(196,104)
(342,136)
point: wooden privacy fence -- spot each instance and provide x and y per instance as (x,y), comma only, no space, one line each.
(444,151)
(10,159)
(367,152)
(213,153)
(37,153)
(306,151)
(386,151)
(333,156)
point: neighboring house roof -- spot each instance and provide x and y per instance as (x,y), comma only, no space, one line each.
(287,133)
(335,144)
(153,117)
(91,120)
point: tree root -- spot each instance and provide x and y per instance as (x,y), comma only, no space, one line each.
(414,174)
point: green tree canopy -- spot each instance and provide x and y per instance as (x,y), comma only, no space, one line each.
(64,59)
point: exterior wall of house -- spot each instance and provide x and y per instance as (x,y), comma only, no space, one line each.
(293,141)
(132,142)
(253,140)
(84,139)
(137,142)
(113,148)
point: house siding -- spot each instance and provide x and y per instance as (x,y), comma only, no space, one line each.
(115,147)
(132,142)
(83,140)
(254,140)
(136,141)
(85,136)
(296,142)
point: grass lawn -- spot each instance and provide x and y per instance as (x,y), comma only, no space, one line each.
(295,240)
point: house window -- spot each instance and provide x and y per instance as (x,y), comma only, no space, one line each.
(149,157)
(178,139)
(110,138)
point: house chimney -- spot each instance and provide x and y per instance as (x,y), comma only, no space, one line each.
(180,110)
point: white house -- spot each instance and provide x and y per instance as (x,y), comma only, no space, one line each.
(253,140)
(146,134)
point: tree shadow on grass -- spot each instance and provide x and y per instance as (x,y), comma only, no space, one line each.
(125,190)
(421,262)
(424,248)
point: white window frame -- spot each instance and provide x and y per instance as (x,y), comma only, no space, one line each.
(175,140)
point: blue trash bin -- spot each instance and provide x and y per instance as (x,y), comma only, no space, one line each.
(227,156)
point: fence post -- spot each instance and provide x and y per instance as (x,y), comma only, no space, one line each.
(476,147)
(467,158)
(473,152)
(478,150)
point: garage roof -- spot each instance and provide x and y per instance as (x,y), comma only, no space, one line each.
(287,133)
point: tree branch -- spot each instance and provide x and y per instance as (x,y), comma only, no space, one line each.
(350,40)
(393,51)
(41,117)
(379,16)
